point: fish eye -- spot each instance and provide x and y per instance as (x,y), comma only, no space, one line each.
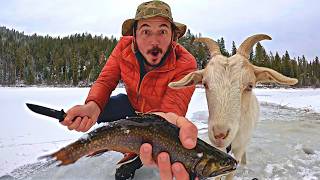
(224,163)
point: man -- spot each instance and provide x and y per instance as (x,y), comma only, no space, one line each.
(147,58)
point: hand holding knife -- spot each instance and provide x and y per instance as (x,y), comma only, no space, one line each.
(79,118)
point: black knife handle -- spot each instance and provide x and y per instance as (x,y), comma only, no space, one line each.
(62,115)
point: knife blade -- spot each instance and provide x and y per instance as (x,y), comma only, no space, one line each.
(60,115)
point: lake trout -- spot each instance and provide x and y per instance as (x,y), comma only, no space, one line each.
(127,135)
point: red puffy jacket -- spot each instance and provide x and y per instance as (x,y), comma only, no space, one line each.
(153,95)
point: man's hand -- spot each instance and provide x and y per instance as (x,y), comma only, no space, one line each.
(188,136)
(82,117)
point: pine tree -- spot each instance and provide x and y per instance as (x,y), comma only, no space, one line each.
(251,55)
(222,46)
(316,65)
(276,64)
(74,68)
(30,77)
(234,49)
(286,65)
(259,58)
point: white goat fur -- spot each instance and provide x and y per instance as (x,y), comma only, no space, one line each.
(233,107)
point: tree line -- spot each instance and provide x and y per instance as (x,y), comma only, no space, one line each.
(77,60)
(74,60)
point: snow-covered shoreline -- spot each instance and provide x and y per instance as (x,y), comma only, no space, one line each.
(26,135)
(295,98)
(306,98)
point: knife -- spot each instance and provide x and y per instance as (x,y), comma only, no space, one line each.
(60,115)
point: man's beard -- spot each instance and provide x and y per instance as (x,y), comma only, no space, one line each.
(154,52)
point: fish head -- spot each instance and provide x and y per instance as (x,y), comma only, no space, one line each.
(213,167)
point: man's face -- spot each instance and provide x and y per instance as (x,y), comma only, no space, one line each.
(153,38)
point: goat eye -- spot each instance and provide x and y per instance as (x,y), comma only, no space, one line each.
(249,87)
(205,85)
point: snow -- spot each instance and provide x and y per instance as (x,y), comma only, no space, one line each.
(288,129)
(307,99)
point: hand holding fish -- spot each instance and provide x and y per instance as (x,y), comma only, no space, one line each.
(82,117)
(188,136)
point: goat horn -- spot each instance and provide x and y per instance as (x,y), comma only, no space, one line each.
(212,45)
(246,47)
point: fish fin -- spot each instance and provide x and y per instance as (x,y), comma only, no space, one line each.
(59,156)
(46,157)
(49,159)
(127,157)
(97,153)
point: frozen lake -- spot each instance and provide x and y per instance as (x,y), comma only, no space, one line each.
(285,144)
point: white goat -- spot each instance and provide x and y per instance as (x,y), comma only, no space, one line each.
(233,107)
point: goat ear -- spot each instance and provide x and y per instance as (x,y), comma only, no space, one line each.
(190,79)
(268,75)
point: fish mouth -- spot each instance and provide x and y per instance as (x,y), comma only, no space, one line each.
(222,171)
(225,170)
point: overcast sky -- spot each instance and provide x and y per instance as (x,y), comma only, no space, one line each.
(293,24)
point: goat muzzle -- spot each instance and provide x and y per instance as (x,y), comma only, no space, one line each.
(221,135)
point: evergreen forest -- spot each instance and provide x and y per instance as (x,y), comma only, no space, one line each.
(77,60)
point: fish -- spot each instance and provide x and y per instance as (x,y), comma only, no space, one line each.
(127,135)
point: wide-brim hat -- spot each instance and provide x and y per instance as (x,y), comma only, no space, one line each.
(153,9)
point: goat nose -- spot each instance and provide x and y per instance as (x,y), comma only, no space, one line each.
(221,134)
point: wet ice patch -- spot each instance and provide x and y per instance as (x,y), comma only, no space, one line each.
(298,147)
(28,170)
(274,169)
(306,174)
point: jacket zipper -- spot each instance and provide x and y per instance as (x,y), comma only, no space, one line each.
(139,87)
(139,91)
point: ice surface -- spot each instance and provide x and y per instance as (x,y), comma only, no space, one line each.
(287,131)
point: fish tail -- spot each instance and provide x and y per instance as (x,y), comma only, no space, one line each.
(67,155)
(60,156)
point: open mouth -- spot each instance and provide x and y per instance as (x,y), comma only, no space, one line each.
(155,53)
(224,170)
(229,166)
(215,169)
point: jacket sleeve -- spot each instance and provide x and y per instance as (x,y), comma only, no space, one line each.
(108,79)
(177,100)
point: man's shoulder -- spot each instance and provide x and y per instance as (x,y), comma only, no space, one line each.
(183,55)
(123,46)
(125,41)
